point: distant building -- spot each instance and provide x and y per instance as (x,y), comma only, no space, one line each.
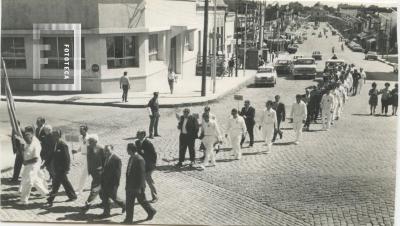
(142,37)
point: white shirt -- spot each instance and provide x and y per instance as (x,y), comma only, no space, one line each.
(83,142)
(268,117)
(299,112)
(327,102)
(211,128)
(184,131)
(32,150)
(236,125)
(363,75)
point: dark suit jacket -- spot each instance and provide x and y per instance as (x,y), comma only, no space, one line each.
(250,114)
(148,152)
(48,146)
(95,160)
(135,175)
(40,135)
(60,157)
(111,173)
(192,126)
(280,111)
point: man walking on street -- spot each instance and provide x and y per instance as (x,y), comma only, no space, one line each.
(61,162)
(125,86)
(299,115)
(17,149)
(154,114)
(237,130)
(268,122)
(147,151)
(189,128)
(210,135)
(135,185)
(95,158)
(110,181)
(280,116)
(248,113)
(231,64)
(327,106)
(83,143)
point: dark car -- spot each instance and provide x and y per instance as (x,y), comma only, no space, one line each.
(292,49)
(371,56)
(283,66)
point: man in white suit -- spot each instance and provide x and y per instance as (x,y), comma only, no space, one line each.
(299,116)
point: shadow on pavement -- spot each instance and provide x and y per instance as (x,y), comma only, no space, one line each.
(60,209)
(362,114)
(255,153)
(172,168)
(227,160)
(383,76)
(284,143)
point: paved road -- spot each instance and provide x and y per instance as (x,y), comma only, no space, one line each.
(345,176)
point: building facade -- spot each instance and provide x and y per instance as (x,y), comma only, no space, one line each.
(142,37)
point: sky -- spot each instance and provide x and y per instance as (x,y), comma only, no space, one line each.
(334,3)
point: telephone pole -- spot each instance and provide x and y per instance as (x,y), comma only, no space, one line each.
(214,68)
(237,39)
(245,42)
(205,35)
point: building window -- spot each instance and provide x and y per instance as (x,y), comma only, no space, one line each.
(58,47)
(13,52)
(153,47)
(122,52)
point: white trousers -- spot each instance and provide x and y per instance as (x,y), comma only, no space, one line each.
(339,109)
(268,133)
(298,129)
(209,142)
(235,142)
(83,175)
(30,178)
(326,119)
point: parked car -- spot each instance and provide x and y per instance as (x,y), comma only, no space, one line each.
(357,48)
(266,75)
(283,66)
(371,55)
(317,55)
(292,49)
(304,68)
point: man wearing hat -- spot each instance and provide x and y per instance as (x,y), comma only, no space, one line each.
(153,108)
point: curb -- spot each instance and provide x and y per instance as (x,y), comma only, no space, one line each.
(386,62)
(184,104)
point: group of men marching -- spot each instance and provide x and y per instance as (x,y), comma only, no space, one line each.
(43,148)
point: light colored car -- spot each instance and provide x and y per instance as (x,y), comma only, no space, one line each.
(304,68)
(266,75)
(371,55)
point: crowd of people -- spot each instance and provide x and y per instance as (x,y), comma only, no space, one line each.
(44,149)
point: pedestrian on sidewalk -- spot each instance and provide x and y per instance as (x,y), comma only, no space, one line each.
(385,98)
(135,185)
(18,152)
(327,107)
(299,116)
(268,123)
(361,81)
(83,143)
(125,86)
(373,98)
(110,181)
(95,158)
(30,173)
(171,79)
(61,162)
(248,113)
(189,128)
(236,130)
(279,108)
(210,135)
(148,152)
(231,65)
(154,114)
(356,79)
(395,98)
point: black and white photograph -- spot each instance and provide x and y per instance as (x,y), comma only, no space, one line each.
(199,112)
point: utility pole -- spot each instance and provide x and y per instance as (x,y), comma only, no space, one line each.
(205,35)
(237,39)
(214,68)
(245,42)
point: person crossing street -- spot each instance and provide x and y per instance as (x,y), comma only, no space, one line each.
(299,116)
(236,131)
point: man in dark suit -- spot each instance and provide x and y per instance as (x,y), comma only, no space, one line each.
(39,133)
(95,159)
(136,184)
(248,113)
(61,162)
(17,149)
(280,116)
(110,181)
(189,129)
(148,152)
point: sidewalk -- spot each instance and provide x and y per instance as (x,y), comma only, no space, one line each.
(390,60)
(187,91)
